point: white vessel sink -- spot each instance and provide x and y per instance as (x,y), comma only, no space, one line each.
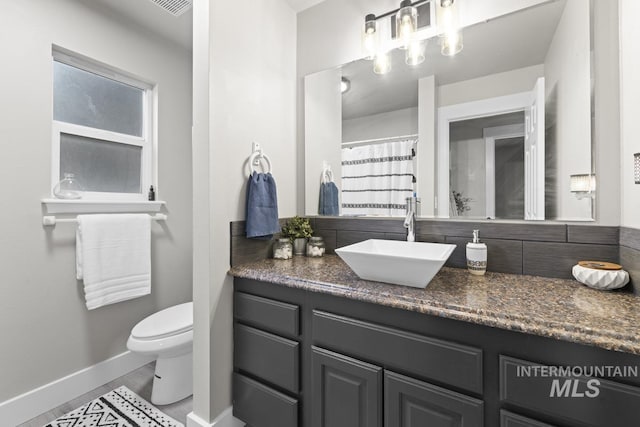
(397,262)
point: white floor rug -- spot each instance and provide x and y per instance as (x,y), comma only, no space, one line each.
(118,408)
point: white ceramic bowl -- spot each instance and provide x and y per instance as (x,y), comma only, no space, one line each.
(600,279)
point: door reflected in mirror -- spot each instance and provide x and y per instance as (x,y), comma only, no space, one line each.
(467,136)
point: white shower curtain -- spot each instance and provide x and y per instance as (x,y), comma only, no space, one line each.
(377,178)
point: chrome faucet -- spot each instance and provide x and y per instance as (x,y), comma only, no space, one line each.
(410,219)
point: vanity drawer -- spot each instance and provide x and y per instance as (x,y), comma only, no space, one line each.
(267,356)
(438,360)
(611,404)
(509,419)
(272,315)
(260,406)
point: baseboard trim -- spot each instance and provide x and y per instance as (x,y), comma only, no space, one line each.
(225,419)
(29,405)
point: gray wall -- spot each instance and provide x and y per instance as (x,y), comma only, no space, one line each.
(491,86)
(630,109)
(567,77)
(237,99)
(606,128)
(324,133)
(510,178)
(45,328)
(382,125)
(468,168)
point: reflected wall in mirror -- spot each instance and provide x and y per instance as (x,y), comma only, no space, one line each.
(493,132)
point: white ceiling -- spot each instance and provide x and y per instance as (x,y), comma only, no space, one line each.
(300,5)
(517,40)
(146,15)
(149,17)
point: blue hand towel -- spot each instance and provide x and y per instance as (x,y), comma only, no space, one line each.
(329,204)
(321,202)
(262,207)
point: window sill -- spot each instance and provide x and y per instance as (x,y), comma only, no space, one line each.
(61,206)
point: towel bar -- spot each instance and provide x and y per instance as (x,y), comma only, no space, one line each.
(50,220)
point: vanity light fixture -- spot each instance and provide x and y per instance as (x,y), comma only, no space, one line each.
(345,85)
(583,185)
(415,53)
(382,63)
(406,23)
(449,27)
(370,36)
(451,43)
(636,167)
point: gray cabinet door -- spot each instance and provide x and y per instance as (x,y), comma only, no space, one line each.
(509,419)
(261,406)
(568,400)
(346,392)
(413,403)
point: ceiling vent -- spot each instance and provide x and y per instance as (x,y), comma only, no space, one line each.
(174,7)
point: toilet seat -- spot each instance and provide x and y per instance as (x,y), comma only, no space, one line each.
(166,323)
(171,346)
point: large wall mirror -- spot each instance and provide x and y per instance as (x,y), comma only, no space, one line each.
(501,130)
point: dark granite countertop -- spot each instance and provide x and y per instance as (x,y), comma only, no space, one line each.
(555,308)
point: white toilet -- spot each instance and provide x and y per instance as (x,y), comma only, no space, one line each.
(167,335)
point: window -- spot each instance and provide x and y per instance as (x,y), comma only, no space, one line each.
(102,129)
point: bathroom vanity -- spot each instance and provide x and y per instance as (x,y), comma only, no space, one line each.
(316,346)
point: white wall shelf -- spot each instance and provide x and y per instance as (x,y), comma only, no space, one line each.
(60,206)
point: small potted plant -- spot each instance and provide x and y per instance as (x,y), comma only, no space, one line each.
(461,202)
(298,230)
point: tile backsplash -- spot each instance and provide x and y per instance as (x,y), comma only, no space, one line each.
(541,249)
(630,254)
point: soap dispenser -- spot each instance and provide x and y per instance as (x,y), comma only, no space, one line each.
(476,255)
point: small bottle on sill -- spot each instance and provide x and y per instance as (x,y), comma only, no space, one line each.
(152,194)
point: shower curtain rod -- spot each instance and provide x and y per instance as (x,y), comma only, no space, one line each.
(378,140)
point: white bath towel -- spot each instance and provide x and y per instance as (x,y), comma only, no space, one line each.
(113,257)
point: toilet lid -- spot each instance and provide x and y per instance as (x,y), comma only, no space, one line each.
(170,321)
